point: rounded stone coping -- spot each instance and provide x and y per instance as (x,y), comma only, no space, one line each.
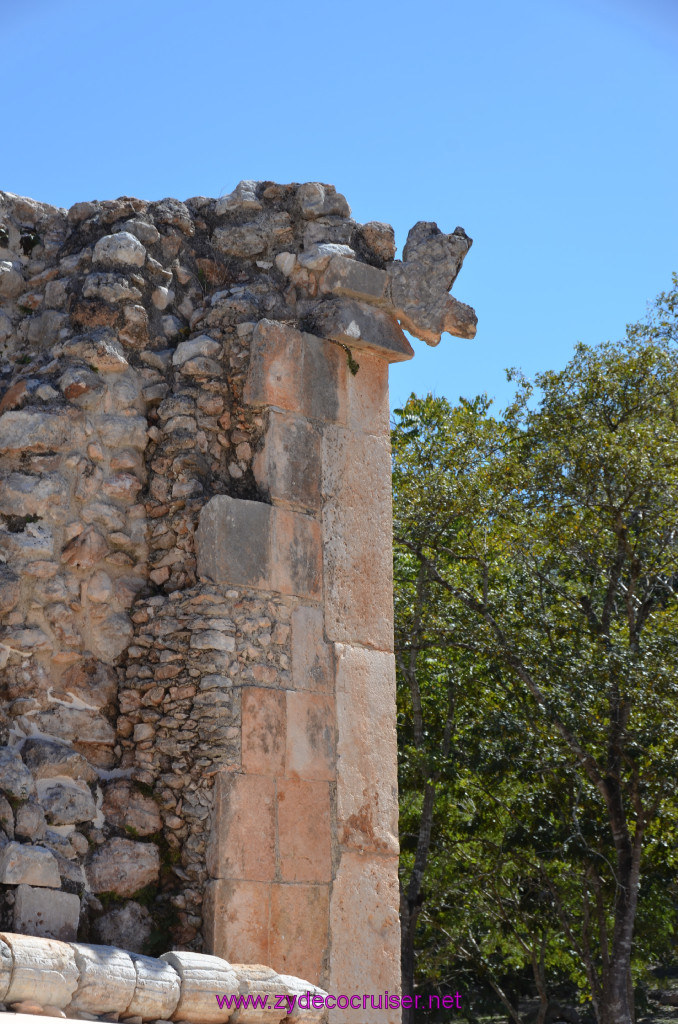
(97,979)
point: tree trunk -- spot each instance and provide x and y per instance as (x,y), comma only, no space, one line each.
(410,899)
(617,993)
(408,925)
(615,1007)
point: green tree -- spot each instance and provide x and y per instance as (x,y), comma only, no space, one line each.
(541,548)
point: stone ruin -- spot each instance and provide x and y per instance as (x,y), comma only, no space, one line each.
(197,706)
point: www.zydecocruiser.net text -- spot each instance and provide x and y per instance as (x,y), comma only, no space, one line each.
(385,1001)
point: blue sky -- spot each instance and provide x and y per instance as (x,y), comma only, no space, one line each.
(547,130)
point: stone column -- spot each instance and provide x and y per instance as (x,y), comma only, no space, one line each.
(303,849)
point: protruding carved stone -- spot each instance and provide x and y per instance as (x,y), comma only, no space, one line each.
(415,291)
(359,326)
(420,284)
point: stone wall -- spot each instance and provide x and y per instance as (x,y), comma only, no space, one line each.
(197,712)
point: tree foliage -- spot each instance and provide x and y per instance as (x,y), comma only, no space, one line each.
(537,648)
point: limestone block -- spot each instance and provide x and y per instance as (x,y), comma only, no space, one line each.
(107,979)
(256,545)
(11,280)
(122,248)
(7,816)
(25,495)
(357,281)
(44,969)
(10,589)
(85,550)
(362,327)
(312,657)
(157,989)
(296,554)
(33,543)
(255,236)
(33,865)
(212,640)
(243,197)
(123,867)
(367,394)
(365,934)
(110,288)
(367,784)
(66,802)
(6,964)
(318,255)
(109,638)
(304,836)
(15,778)
(26,640)
(378,238)
(296,372)
(324,370)
(44,329)
(241,844)
(316,200)
(101,349)
(357,538)
(201,346)
(162,297)
(174,212)
(74,724)
(288,466)
(121,431)
(275,366)
(299,932)
(201,977)
(286,262)
(30,822)
(233,541)
(122,487)
(82,387)
(263,731)
(48,759)
(127,807)
(5,332)
(310,749)
(128,925)
(99,587)
(236,916)
(329,229)
(22,431)
(47,912)
(141,229)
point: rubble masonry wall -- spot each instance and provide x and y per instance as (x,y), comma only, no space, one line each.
(197,697)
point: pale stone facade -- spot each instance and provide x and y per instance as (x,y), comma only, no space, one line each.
(197,712)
